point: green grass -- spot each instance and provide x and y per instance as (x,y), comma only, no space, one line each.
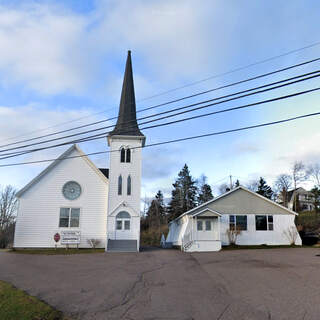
(237,247)
(58,251)
(18,305)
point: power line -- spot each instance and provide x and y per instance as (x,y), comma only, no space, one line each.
(173,141)
(312,75)
(178,88)
(237,69)
(170,102)
(102,135)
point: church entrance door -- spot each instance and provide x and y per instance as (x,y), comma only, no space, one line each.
(123,226)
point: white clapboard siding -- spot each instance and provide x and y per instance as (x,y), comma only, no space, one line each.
(39,205)
(124,202)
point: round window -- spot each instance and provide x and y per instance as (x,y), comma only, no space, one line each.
(71,190)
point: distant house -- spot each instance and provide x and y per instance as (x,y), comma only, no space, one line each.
(305,200)
(261,221)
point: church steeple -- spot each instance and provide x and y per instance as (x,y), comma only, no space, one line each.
(127,122)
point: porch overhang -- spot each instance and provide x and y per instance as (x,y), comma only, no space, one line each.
(206,213)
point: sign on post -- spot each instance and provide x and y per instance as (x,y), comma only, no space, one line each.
(70,237)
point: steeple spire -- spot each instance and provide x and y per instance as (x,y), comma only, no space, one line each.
(127,122)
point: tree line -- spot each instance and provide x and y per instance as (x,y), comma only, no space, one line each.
(188,192)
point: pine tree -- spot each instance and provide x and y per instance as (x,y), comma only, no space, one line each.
(237,184)
(184,194)
(156,214)
(205,192)
(264,189)
(162,206)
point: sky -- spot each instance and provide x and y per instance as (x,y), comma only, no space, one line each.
(62,65)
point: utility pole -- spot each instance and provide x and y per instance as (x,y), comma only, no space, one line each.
(230,182)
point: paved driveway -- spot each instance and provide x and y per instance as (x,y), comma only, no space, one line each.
(167,284)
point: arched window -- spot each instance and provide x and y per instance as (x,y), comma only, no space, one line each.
(123,220)
(128,158)
(129,186)
(122,155)
(120,185)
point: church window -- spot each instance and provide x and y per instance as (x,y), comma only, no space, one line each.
(128,155)
(122,155)
(129,186)
(123,221)
(120,185)
(69,218)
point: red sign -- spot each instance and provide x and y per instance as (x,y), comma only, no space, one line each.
(56,237)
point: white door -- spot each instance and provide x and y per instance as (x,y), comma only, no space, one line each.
(123,226)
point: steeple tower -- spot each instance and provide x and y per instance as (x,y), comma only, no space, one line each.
(127,120)
(125,141)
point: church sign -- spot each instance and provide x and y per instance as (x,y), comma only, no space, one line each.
(70,237)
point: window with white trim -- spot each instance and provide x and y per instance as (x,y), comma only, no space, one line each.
(120,185)
(125,155)
(208,225)
(69,218)
(238,222)
(264,222)
(129,186)
(204,224)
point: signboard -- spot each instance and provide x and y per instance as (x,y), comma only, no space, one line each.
(70,237)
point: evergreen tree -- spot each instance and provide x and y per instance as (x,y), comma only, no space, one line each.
(264,189)
(156,214)
(205,192)
(237,184)
(162,206)
(184,194)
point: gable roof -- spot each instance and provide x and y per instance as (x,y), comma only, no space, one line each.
(101,174)
(216,213)
(232,191)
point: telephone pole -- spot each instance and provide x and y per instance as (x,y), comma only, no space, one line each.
(230,182)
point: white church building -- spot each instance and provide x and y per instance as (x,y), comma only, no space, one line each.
(72,202)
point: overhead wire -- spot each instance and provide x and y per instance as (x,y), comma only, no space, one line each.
(307,76)
(172,101)
(172,141)
(102,135)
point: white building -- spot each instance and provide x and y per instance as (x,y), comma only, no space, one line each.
(261,221)
(77,202)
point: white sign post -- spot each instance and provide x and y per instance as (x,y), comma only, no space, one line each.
(70,237)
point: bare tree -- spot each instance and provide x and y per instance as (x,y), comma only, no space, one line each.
(282,185)
(298,175)
(223,188)
(8,208)
(313,172)
(252,185)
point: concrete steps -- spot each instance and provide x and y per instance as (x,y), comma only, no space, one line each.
(122,246)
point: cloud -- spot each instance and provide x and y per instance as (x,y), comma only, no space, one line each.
(159,164)
(246,147)
(51,49)
(40,47)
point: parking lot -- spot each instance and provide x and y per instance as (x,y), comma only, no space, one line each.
(168,284)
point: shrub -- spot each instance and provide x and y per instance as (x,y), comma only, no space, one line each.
(152,236)
(94,242)
(232,234)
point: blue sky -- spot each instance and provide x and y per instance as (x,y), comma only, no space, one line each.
(62,60)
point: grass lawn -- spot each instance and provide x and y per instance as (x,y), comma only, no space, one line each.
(61,251)
(18,305)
